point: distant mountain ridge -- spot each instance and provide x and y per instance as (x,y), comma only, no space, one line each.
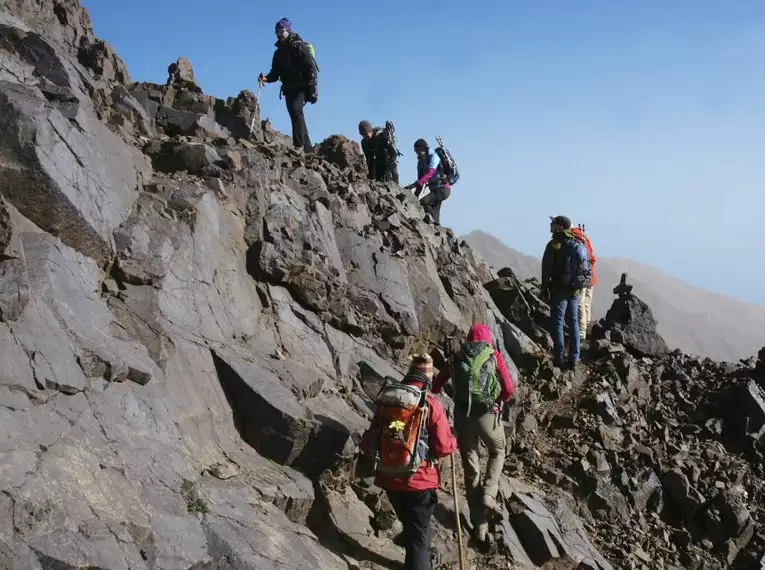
(690,318)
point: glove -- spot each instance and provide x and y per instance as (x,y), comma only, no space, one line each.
(312,95)
(544,295)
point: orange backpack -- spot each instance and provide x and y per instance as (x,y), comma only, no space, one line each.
(402,442)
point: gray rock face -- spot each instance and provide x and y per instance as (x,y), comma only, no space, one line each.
(545,535)
(64,170)
(194,158)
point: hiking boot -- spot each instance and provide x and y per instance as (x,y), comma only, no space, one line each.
(399,540)
(491,503)
(481,533)
(435,557)
(480,539)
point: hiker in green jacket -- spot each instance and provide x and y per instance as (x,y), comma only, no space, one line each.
(482,385)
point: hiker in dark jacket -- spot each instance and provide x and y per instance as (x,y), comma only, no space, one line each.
(481,423)
(428,173)
(294,64)
(564,303)
(379,151)
(414,498)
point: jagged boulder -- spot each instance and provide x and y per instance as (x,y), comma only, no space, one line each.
(521,307)
(537,530)
(180,72)
(759,369)
(240,115)
(180,108)
(343,152)
(630,322)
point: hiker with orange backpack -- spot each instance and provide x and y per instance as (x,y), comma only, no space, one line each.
(585,293)
(482,385)
(408,434)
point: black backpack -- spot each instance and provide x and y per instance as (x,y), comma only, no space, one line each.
(448,166)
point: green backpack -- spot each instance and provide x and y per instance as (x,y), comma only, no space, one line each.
(475,377)
(313,55)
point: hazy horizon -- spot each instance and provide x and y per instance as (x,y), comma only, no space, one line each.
(613,259)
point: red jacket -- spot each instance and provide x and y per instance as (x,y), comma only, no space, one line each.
(581,236)
(440,439)
(481,332)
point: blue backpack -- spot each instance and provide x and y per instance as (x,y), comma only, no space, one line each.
(576,265)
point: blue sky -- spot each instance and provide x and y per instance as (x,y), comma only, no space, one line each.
(643,120)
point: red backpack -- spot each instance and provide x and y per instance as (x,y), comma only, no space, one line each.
(401,444)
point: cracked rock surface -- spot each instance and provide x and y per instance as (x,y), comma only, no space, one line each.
(194,323)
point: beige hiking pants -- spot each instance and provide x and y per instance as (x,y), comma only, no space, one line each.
(585,310)
(471,431)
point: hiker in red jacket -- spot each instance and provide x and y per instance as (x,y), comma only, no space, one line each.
(482,386)
(394,435)
(585,295)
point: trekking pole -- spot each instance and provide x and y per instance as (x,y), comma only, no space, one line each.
(457,515)
(257,102)
(450,359)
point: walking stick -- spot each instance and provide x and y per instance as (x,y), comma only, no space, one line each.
(457,515)
(257,100)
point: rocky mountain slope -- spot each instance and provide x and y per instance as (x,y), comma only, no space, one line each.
(691,319)
(194,322)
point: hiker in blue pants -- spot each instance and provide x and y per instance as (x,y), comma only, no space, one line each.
(565,271)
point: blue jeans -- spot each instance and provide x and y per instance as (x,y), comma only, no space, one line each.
(565,308)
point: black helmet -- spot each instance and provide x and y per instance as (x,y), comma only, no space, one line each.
(420,144)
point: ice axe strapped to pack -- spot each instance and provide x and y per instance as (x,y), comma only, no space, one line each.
(449,170)
(390,129)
